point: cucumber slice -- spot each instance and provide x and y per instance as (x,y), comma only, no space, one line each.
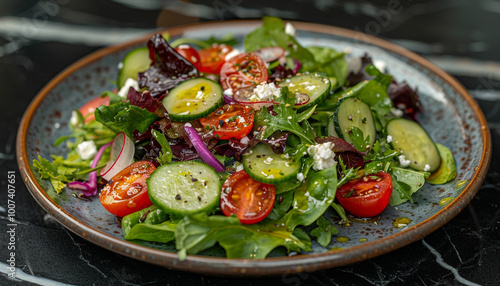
(330,127)
(265,166)
(414,143)
(316,86)
(134,62)
(353,112)
(184,188)
(193,99)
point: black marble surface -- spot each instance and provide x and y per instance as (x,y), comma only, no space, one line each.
(459,36)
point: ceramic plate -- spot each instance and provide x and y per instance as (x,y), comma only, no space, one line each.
(450,116)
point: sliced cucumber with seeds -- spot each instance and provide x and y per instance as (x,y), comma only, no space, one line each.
(193,99)
(314,85)
(265,166)
(353,112)
(184,188)
(134,62)
(414,143)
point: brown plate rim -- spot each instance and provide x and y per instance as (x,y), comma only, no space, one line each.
(273,265)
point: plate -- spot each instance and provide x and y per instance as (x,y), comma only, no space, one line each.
(451,117)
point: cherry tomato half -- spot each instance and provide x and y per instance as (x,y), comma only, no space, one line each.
(127,191)
(213,58)
(87,110)
(251,201)
(190,54)
(367,196)
(230,121)
(242,71)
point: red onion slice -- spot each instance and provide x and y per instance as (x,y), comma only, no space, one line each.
(202,149)
(270,54)
(90,188)
(122,155)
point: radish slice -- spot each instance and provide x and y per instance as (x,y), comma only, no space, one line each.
(122,155)
(202,149)
(298,65)
(270,54)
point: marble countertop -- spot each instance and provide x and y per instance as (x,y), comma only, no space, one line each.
(38,39)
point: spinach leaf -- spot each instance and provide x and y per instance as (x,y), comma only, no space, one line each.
(405,183)
(282,204)
(149,224)
(272,33)
(312,198)
(447,170)
(124,117)
(198,232)
(331,62)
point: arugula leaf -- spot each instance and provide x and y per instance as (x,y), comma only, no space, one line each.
(331,62)
(405,183)
(285,119)
(341,212)
(165,155)
(358,140)
(198,232)
(324,231)
(304,115)
(272,33)
(124,117)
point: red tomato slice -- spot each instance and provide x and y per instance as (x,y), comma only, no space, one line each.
(251,201)
(242,71)
(87,110)
(190,54)
(127,192)
(213,58)
(230,121)
(367,196)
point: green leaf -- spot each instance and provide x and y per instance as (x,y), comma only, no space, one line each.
(149,224)
(124,117)
(271,34)
(324,231)
(405,183)
(266,124)
(312,198)
(165,155)
(358,140)
(447,170)
(331,62)
(198,232)
(304,115)
(113,97)
(282,204)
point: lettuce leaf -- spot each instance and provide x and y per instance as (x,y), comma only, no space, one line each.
(330,62)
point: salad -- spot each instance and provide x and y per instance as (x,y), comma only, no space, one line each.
(274,145)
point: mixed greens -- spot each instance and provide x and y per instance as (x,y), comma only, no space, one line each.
(247,149)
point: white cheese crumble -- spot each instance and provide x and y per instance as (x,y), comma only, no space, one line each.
(300,177)
(245,140)
(199,94)
(86,150)
(323,155)
(74,118)
(270,177)
(239,168)
(403,161)
(265,92)
(268,160)
(389,138)
(232,53)
(427,168)
(290,30)
(380,65)
(128,84)
(228,92)
(188,125)
(397,112)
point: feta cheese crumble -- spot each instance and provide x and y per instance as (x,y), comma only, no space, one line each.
(427,168)
(128,84)
(403,161)
(86,150)
(228,92)
(290,30)
(265,92)
(300,177)
(323,155)
(389,138)
(268,160)
(74,118)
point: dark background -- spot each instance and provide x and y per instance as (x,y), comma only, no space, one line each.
(459,36)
